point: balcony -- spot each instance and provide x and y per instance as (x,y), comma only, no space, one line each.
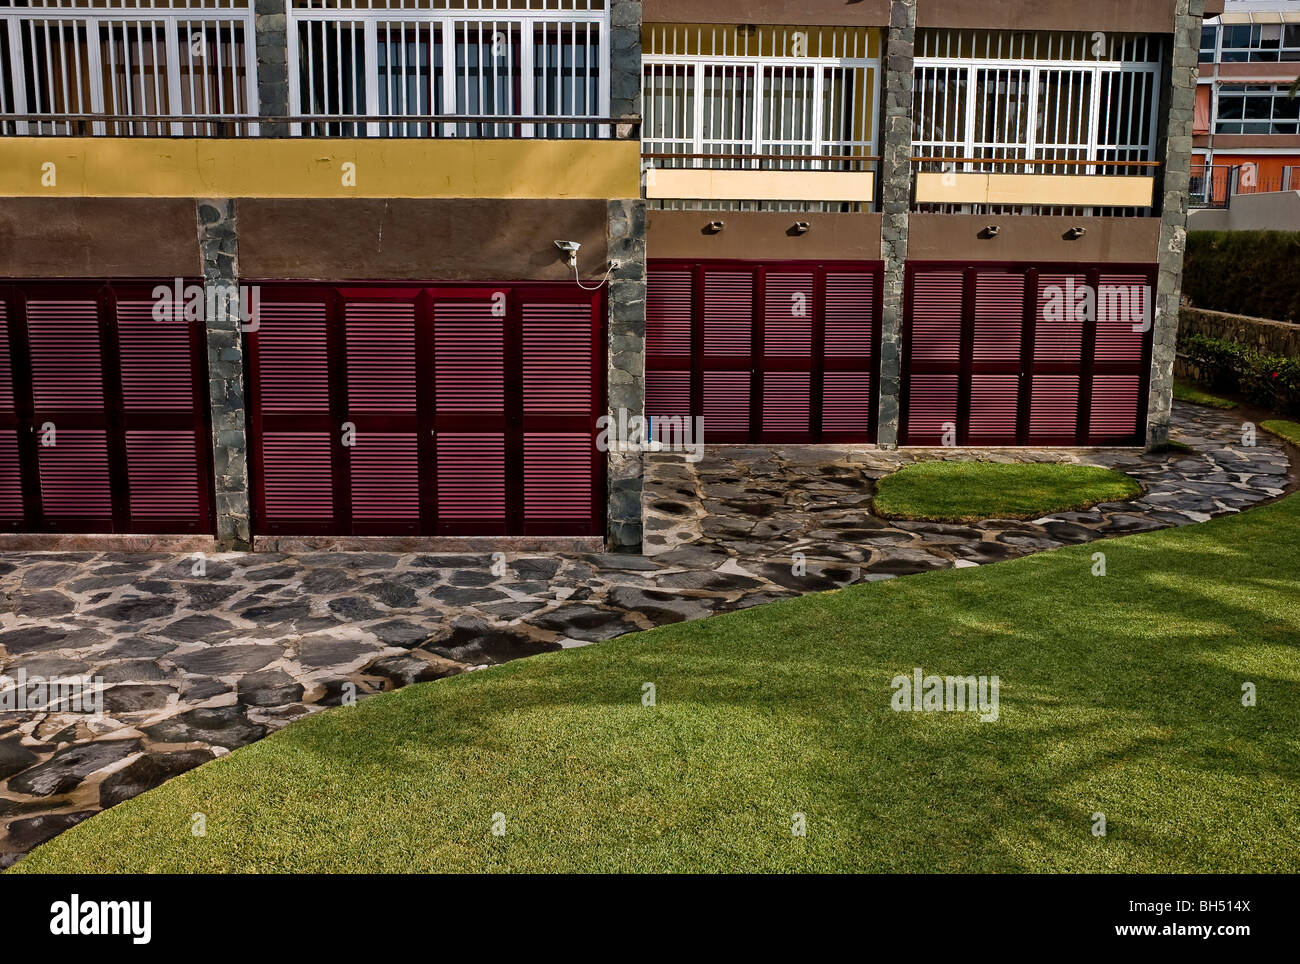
(380,99)
(760,118)
(1018,123)
(370,68)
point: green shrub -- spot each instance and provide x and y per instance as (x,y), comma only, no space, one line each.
(1269,381)
(1244,272)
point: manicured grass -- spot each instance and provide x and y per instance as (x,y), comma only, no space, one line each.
(1173,445)
(1187,392)
(969,491)
(1288,430)
(1120,694)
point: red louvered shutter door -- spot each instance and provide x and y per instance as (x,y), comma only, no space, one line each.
(560,345)
(669,329)
(164,408)
(932,357)
(11,480)
(383,461)
(779,352)
(786,369)
(70,411)
(996,364)
(727,323)
(1056,375)
(293,427)
(469,363)
(849,360)
(1117,403)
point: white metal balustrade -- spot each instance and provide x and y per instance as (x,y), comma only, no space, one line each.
(769,98)
(66,62)
(1036,103)
(528,68)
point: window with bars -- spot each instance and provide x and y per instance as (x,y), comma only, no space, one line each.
(1010,103)
(525,73)
(760,98)
(65,64)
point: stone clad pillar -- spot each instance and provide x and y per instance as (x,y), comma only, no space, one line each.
(895,205)
(1174,150)
(627,288)
(219,245)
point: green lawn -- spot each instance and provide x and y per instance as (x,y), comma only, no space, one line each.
(1187,392)
(1288,430)
(969,491)
(1120,694)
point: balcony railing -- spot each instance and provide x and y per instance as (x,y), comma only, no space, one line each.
(787,114)
(355,68)
(1010,115)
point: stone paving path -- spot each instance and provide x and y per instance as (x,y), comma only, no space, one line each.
(199,661)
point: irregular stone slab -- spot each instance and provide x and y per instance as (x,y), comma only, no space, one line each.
(217,726)
(197,629)
(228,660)
(401,632)
(328,651)
(407,668)
(278,613)
(14,757)
(662,607)
(133,698)
(48,603)
(269,687)
(585,622)
(392,595)
(30,832)
(354,609)
(149,771)
(135,610)
(67,768)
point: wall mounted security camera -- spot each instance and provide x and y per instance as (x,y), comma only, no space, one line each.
(992,231)
(801,227)
(571,249)
(1075,233)
(713,227)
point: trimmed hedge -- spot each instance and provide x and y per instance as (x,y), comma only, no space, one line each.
(1244,272)
(1269,381)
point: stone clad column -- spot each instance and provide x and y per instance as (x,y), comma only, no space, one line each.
(219,245)
(1174,150)
(895,204)
(627,287)
(272,64)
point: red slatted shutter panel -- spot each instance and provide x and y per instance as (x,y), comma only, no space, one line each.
(559,404)
(933,356)
(1117,410)
(384,460)
(996,363)
(727,317)
(789,303)
(7,406)
(70,411)
(291,359)
(470,385)
(166,458)
(669,357)
(11,482)
(1057,359)
(849,356)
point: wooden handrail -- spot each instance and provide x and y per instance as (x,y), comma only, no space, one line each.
(1034,161)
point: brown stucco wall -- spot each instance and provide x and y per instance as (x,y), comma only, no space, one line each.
(98,237)
(955,237)
(1110,16)
(426,240)
(763,236)
(824,13)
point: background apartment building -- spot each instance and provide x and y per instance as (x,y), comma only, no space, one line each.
(804,222)
(1247,128)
